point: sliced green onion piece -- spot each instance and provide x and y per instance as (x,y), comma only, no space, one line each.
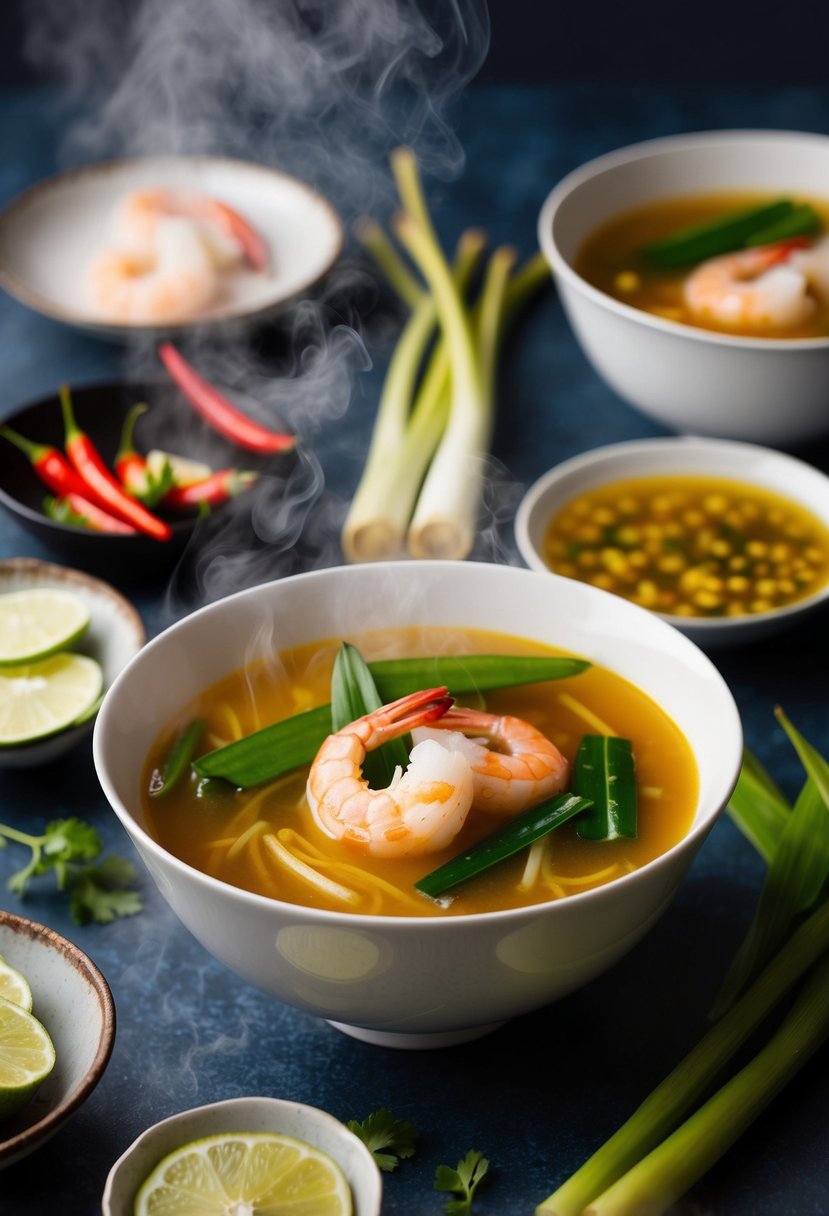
(505,841)
(266,754)
(604,774)
(801,221)
(178,760)
(720,235)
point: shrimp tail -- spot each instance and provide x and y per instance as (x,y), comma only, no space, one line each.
(415,709)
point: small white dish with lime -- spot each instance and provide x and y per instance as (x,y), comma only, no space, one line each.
(64,636)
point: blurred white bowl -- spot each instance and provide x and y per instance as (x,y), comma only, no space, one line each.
(763,467)
(766,390)
(73,1001)
(115,633)
(306,1123)
(409,981)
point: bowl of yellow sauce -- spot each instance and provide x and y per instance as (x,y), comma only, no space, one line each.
(727,541)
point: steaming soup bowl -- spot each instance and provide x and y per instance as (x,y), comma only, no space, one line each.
(763,390)
(431,981)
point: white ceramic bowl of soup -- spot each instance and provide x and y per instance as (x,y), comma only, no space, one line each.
(764,390)
(764,469)
(418,981)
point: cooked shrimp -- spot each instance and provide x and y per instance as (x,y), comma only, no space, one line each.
(814,264)
(752,289)
(228,237)
(174,284)
(420,812)
(522,768)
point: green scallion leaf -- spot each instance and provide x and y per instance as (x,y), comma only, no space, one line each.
(800,221)
(353,694)
(177,761)
(604,774)
(721,235)
(504,842)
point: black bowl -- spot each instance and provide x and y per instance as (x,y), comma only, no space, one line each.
(100,410)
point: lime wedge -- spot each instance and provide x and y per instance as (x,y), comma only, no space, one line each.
(38,622)
(38,699)
(26,1056)
(245,1174)
(186,472)
(14,987)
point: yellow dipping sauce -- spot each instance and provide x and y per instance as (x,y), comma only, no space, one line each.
(691,546)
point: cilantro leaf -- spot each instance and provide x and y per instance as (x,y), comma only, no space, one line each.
(101,893)
(381,1130)
(464,1180)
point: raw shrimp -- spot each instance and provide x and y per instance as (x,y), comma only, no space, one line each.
(174,284)
(522,768)
(420,812)
(228,237)
(753,289)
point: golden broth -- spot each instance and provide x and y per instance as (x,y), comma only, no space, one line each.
(690,546)
(611,260)
(219,834)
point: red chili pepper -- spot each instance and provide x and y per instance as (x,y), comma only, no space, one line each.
(48,463)
(212,491)
(88,513)
(130,467)
(215,408)
(88,462)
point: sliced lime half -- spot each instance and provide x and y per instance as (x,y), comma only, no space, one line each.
(14,986)
(26,1057)
(38,622)
(38,699)
(241,1174)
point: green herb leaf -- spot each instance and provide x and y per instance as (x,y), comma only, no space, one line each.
(381,1130)
(353,694)
(102,893)
(177,760)
(604,775)
(464,1180)
(723,234)
(758,808)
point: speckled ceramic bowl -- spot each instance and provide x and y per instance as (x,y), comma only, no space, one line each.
(115,634)
(417,981)
(73,1001)
(306,1123)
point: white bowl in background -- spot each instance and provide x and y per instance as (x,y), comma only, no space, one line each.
(745,462)
(765,390)
(114,635)
(272,1115)
(73,1001)
(409,981)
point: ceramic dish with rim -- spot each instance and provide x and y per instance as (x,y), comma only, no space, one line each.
(763,390)
(409,981)
(273,1115)
(751,464)
(169,424)
(49,234)
(74,1003)
(114,636)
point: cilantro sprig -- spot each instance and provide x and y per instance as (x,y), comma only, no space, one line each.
(462,1181)
(98,891)
(381,1130)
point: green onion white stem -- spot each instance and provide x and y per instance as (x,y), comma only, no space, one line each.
(664,1175)
(673,1098)
(375,241)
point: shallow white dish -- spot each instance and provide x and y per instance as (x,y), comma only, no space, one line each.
(411,981)
(49,234)
(764,467)
(765,390)
(115,634)
(73,1001)
(306,1123)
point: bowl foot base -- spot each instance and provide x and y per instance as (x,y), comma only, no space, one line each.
(416,1040)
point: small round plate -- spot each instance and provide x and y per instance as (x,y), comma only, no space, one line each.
(49,234)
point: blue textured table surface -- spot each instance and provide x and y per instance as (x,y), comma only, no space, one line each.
(538,1095)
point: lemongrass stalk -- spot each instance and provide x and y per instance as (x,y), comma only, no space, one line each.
(662,1177)
(375,242)
(410,188)
(375,527)
(445,517)
(662,1110)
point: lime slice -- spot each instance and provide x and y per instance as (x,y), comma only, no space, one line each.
(14,987)
(38,699)
(39,621)
(245,1174)
(26,1057)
